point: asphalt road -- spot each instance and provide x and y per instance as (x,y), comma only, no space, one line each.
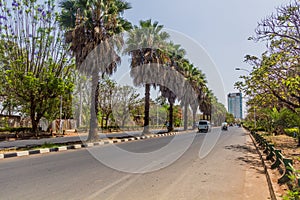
(186,166)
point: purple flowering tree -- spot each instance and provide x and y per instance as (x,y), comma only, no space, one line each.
(34,64)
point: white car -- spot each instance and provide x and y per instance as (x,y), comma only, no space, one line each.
(204,126)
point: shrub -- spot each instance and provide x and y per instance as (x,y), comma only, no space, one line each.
(16,130)
(293,132)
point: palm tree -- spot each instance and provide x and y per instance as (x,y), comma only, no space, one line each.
(172,56)
(190,72)
(91,27)
(199,83)
(171,96)
(205,104)
(196,80)
(143,45)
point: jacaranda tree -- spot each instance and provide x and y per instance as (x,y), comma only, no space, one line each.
(36,68)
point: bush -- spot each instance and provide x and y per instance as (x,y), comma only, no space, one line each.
(4,130)
(16,130)
(260,129)
(293,132)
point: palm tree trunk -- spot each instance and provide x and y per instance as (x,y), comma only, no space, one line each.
(185,117)
(147,108)
(80,106)
(93,133)
(170,127)
(194,119)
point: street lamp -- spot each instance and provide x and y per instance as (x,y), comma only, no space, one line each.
(254,112)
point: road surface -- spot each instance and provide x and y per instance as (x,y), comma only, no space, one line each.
(231,170)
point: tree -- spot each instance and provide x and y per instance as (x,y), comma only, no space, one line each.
(94,30)
(276,74)
(36,68)
(107,96)
(190,73)
(219,112)
(273,84)
(284,24)
(206,104)
(171,96)
(229,118)
(177,113)
(143,45)
(172,55)
(126,100)
(195,79)
(193,88)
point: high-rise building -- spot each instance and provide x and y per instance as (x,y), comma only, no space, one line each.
(235,105)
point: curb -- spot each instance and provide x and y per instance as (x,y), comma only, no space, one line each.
(270,185)
(80,146)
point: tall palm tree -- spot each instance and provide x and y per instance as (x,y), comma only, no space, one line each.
(205,104)
(173,56)
(187,97)
(90,24)
(143,45)
(201,88)
(171,96)
(190,72)
(196,80)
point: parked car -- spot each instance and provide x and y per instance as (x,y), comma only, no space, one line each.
(224,126)
(204,126)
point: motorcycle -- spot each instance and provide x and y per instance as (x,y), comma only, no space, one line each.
(224,126)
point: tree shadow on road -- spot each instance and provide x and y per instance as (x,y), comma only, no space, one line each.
(250,158)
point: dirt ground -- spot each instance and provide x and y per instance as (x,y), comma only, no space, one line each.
(289,149)
(288,146)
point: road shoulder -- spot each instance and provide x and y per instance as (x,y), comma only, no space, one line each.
(256,185)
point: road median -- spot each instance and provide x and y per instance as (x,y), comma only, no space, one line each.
(80,145)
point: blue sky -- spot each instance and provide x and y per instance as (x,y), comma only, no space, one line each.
(220,28)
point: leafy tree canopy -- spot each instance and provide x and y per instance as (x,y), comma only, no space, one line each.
(35,66)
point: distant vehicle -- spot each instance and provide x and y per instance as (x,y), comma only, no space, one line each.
(204,126)
(224,126)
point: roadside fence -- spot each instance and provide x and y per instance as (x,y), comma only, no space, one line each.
(289,175)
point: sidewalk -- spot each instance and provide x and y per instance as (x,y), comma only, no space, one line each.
(67,138)
(33,142)
(78,137)
(256,181)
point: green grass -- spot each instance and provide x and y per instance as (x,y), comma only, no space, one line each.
(48,145)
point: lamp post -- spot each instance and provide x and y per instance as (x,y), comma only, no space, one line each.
(254,111)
